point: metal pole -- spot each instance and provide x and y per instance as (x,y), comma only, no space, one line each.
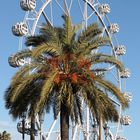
(23,129)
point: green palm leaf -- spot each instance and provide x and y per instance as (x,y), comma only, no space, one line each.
(89,33)
(99,41)
(24,83)
(45,48)
(68,30)
(35,40)
(103,58)
(24,71)
(113,89)
(46,89)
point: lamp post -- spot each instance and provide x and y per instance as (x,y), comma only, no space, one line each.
(23,125)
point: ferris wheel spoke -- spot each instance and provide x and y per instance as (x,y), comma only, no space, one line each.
(29,26)
(71,2)
(34,13)
(90,15)
(61,7)
(48,21)
(42,1)
(26,15)
(51,12)
(81,10)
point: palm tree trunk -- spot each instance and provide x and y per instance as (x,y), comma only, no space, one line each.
(32,135)
(100,129)
(64,123)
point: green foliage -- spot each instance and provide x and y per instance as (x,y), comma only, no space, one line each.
(5,136)
(68,30)
(103,58)
(51,49)
(46,89)
(60,73)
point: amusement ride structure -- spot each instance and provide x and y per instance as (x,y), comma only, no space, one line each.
(84,12)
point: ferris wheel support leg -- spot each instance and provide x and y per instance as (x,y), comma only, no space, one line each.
(88,123)
(75,131)
(118,126)
(100,129)
(85,13)
(49,133)
(66,8)
(58,137)
(40,131)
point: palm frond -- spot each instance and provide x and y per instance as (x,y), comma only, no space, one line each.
(109,111)
(113,89)
(85,48)
(56,105)
(50,33)
(45,48)
(89,98)
(58,99)
(78,105)
(25,83)
(89,33)
(46,89)
(68,30)
(69,97)
(23,54)
(7,97)
(99,41)
(23,100)
(59,31)
(35,40)
(100,104)
(47,34)
(23,72)
(74,113)
(103,58)
(77,27)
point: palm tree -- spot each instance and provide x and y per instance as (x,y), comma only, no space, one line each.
(60,75)
(5,136)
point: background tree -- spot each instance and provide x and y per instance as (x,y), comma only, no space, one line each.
(61,74)
(5,136)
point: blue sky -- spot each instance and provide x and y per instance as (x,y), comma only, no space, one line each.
(124,12)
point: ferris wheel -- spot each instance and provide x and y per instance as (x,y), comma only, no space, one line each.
(84,12)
